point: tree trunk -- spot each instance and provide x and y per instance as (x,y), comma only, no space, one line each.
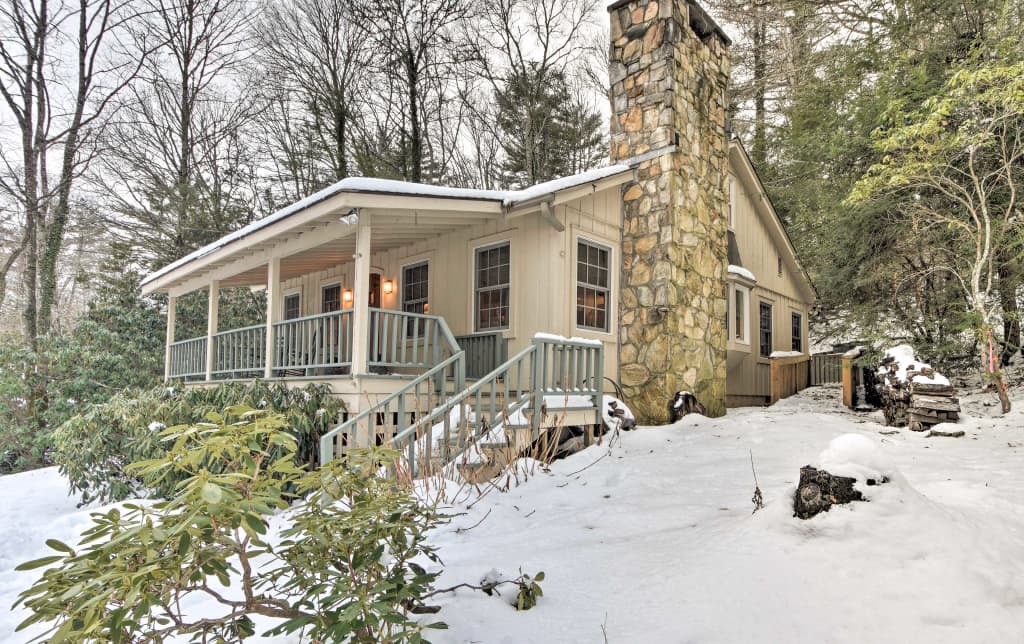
(415,136)
(760,80)
(993,369)
(1008,283)
(58,225)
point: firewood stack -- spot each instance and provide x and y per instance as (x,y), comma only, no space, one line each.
(919,400)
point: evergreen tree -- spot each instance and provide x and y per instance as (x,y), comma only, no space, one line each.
(547,132)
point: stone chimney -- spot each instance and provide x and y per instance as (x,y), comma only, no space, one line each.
(669,71)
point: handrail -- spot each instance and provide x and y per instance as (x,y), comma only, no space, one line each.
(253,327)
(548,366)
(311,317)
(409,438)
(371,413)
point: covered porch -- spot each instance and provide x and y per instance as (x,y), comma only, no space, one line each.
(360,327)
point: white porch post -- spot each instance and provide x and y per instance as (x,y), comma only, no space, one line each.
(273,312)
(361,296)
(172,318)
(212,311)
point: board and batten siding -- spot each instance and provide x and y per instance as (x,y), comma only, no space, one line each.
(542,275)
(748,373)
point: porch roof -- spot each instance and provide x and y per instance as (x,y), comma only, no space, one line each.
(316,232)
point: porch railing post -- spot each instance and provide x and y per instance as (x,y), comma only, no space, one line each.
(172,318)
(212,311)
(537,386)
(360,296)
(273,313)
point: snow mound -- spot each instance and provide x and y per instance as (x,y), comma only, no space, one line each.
(903,355)
(857,456)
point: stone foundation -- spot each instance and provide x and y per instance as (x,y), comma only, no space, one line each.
(669,72)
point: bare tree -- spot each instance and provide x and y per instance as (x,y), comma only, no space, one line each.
(180,168)
(316,56)
(526,48)
(61,66)
(419,45)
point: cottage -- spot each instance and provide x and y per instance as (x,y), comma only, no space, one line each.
(434,309)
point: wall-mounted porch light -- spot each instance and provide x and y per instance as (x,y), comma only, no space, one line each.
(389,287)
(346,296)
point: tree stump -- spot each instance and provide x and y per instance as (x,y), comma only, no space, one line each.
(818,491)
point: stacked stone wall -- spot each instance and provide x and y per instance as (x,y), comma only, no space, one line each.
(668,103)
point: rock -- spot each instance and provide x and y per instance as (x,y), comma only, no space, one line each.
(818,491)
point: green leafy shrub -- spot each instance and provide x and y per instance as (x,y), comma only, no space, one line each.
(94,448)
(342,572)
(529,590)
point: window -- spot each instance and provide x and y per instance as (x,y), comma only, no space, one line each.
(740,317)
(415,283)
(798,332)
(292,306)
(765,328)
(491,287)
(591,286)
(330,299)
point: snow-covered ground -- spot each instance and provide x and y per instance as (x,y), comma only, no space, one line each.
(654,540)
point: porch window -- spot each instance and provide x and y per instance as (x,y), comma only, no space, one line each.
(415,282)
(331,298)
(491,291)
(591,286)
(798,332)
(765,328)
(292,306)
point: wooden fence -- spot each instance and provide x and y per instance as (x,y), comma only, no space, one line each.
(825,368)
(788,375)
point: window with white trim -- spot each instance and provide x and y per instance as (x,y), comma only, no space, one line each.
(330,298)
(592,285)
(415,287)
(292,306)
(741,314)
(491,293)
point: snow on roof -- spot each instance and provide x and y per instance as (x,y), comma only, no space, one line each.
(389,186)
(742,272)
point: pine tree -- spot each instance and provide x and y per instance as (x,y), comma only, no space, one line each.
(547,132)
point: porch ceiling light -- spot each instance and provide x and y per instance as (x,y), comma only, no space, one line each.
(346,296)
(389,287)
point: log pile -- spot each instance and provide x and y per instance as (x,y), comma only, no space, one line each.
(916,405)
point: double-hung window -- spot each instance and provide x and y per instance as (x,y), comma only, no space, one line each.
(415,283)
(765,329)
(292,306)
(491,287)
(330,298)
(592,285)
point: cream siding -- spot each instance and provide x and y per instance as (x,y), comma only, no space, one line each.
(542,284)
(748,372)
